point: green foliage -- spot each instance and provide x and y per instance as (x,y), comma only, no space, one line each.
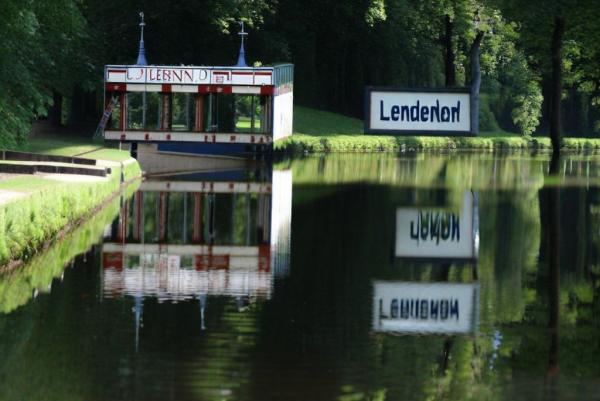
(375,12)
(527,113)
(487,120)
(526,97)
(511,87)
(41,53)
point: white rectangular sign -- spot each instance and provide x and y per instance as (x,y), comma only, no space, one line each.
(437,232)
(398,111)
(425,307)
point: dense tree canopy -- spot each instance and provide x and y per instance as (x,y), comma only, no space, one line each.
(56,50)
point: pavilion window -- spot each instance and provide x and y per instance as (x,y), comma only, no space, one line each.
(183,112)
(144,110)
(223,113)
(249,114)
(177,218)
(115,118)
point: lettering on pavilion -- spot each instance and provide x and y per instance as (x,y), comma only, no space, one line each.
(167,75)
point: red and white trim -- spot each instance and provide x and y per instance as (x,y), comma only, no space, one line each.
(167,88)
(116,74)
(134,249)
(207,187)
(166,136)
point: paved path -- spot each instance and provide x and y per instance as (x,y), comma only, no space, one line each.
(4,176)
(7,196)
(71,177)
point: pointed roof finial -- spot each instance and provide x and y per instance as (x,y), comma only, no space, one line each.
(141,60)
(242,56)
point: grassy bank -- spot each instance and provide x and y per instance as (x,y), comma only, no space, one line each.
(18,286)
(48,206)
(318,131)
(70,145)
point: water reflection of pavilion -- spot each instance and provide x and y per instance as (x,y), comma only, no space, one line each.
(177,240)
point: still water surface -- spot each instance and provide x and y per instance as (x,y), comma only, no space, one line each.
(358,277)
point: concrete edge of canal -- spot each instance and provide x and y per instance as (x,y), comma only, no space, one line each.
(38,209)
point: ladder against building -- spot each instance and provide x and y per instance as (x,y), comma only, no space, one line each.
(114,101)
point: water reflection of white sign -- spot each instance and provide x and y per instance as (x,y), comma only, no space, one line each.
(438,233)
(425,307)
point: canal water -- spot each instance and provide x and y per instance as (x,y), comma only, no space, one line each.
(351,277)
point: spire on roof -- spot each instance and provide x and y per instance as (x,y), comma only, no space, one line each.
(141,60)
(242,56)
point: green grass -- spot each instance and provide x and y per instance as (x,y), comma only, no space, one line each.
(302,143)
(62,145)
(26,183)
(73,145)
(323,123)
(319,131)
(245,123)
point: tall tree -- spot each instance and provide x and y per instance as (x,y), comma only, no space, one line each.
(557,41)
(545,28)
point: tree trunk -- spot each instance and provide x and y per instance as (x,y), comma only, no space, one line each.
(475,82)
(55,114)
(553,278)
(557,38)
(449,342)
(551,221)
(449,53)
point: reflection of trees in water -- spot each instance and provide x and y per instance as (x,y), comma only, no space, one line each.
(456,171)
(313,338)
(349,233)
(553,225)
(510,232)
